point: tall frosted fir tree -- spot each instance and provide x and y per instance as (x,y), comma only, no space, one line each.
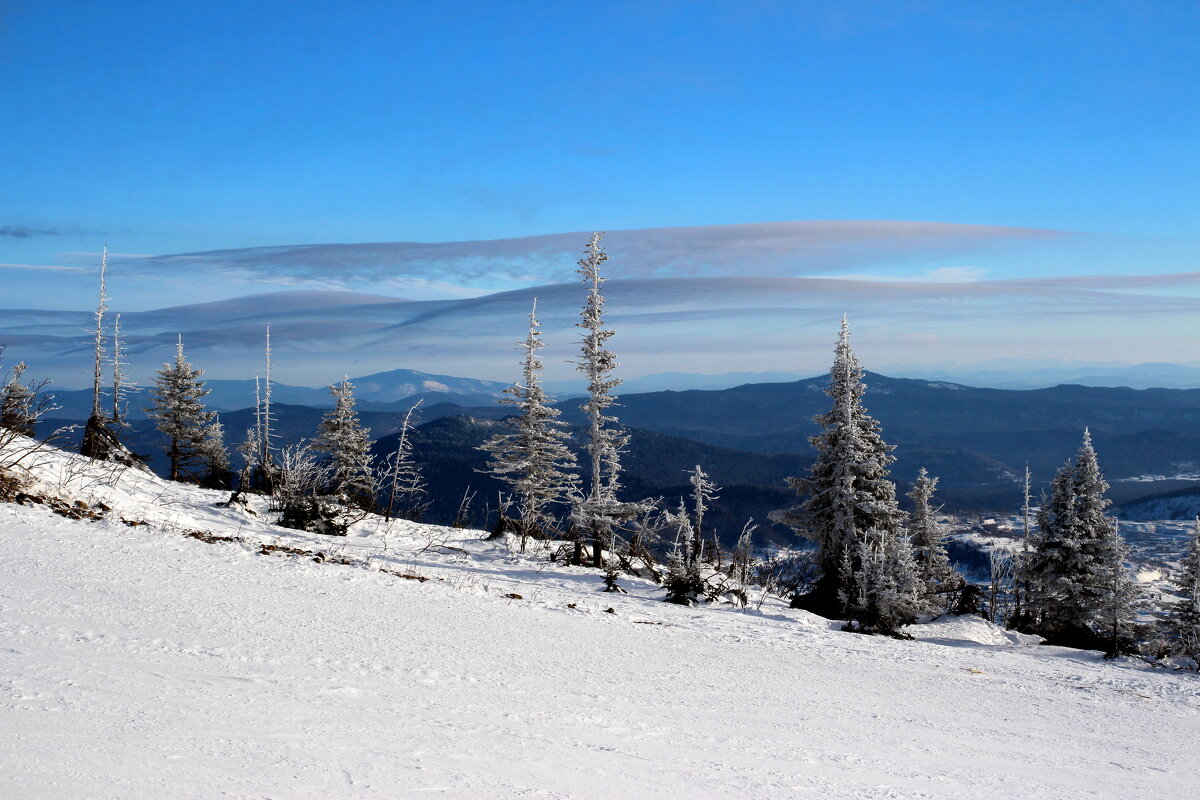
(598,511)
(1079,591)
(349,444)
(178,411)
(532,457)
(848,490)
(99,439)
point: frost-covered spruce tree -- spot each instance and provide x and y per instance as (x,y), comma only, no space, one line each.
(881,591)
(179,413)
(298,495)
(532,456)
(683,582)
(1118,597)
(1079,592)
(932,563)
(215,456)
(703,492)
(848,489)
(343,436)
(598,511)
(1183,619)
(17,404)
(1020,572)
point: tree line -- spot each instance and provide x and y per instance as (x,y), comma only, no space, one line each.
(871,564)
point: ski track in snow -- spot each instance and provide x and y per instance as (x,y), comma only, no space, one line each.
(139,663)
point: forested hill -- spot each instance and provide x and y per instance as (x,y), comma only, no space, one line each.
(749,437)
(968,435)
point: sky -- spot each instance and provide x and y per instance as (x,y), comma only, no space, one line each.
(439,152)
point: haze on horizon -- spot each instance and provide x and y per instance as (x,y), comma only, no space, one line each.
(968,182)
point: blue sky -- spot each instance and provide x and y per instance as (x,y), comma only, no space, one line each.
(169,128)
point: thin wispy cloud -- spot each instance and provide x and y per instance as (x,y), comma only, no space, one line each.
(52,267)
(26,232)
(770,249)
(771,321)
(1118,282)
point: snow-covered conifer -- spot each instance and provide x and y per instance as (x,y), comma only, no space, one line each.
(929,552)
(266,460)
(401,480)
(703,492)
(1079,591)
(178,410)
(881,591)
(101,308)
(99,439)
(1021,559)
(1118,597)
(17,404)
(683,582)
(298,496)
(343,436)
(121,386)
(598,511)
(1183,619)
(742,561)
(532,456)
(848,489)
(249,451)
(215,456)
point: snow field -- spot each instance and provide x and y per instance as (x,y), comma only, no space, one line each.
(138,662)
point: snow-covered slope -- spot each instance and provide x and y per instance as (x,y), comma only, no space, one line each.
(137,661)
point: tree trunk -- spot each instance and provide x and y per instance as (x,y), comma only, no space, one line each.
(597,548)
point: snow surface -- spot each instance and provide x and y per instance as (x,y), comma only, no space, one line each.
(137,662)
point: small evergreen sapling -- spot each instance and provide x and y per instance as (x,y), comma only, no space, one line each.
(298,493)
(741,566)
(703,492)
(941,581)
(349,444)
(883,592)
(401,481)
(216,457)
(17,403)
(179,413)
(683,582)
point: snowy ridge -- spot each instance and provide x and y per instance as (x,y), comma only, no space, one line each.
(140,662)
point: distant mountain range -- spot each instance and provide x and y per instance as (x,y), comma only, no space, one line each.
(1037,374)
(998,374)
(972,437)
(750,437)
(382,391)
